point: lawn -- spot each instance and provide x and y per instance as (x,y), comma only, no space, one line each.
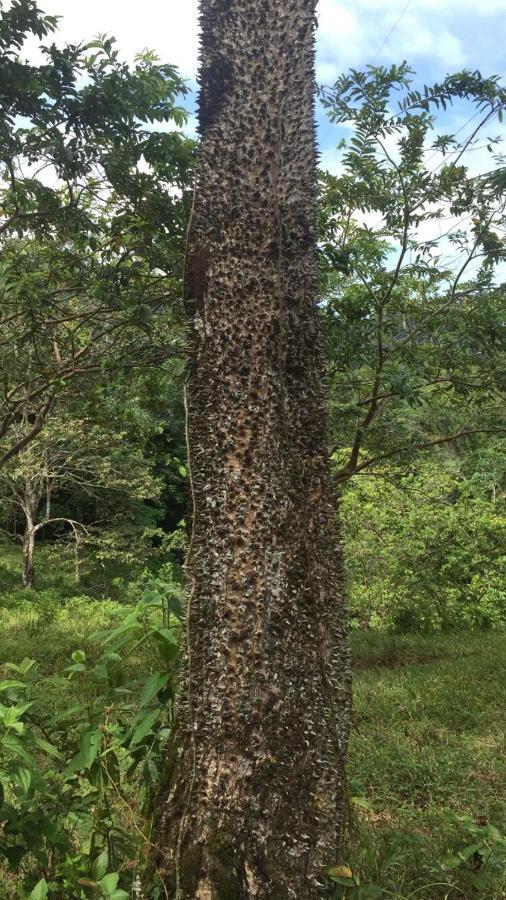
(427,767)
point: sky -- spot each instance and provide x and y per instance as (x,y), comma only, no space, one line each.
(434,36)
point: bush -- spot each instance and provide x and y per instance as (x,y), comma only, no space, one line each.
(424,554)
(82,732)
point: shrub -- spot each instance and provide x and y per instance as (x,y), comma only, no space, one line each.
(424,554)
(80,748)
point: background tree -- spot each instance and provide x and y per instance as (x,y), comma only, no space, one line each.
(413,315)
(93,207)
(89,455)
(426,550)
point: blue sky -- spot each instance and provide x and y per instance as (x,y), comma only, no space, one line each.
(434,36)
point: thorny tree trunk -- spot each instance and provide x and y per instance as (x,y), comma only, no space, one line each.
(254,800)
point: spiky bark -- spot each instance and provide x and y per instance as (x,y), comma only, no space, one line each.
(255,796)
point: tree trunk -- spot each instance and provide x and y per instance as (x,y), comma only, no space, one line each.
(28,552)
(255,794)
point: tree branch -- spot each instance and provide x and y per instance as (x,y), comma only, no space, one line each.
(34,431)
(348,471)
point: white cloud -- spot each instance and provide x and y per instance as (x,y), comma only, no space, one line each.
(484,8)
(414,39)
(170,27)
(339,23)
(435,35)
(350,33)
(331,161)
(394,8)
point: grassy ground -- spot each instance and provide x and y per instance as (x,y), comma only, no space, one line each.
(427,767)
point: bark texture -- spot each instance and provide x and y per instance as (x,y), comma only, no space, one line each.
(29,498)
(28,553)
(255,799)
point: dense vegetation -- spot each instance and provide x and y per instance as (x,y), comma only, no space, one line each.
(95,197)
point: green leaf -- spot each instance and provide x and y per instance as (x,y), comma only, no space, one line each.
(71,713)
(130,623)
(75,763)
(10,685)
(145,726)
(362,802)
(113,767)
(89,742)
(99,867)
(168,645)
(76,667)
(58,681)
(24,666)
(452,862)
(467,852)
(153,685)
(167,635)
(21,708)
(40,890)
(108,884)
(151,598)
(176,608)
(46,747)
(12,743)
(23,777)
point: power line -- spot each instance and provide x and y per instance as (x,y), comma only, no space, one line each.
(457,149)
(378,51)
(394,26)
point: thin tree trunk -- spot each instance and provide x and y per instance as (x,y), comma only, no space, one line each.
(28,553)
(254,798)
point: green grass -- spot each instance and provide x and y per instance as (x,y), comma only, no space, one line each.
(428,745)
(41,628)
(55,573)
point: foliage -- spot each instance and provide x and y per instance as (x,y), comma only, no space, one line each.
(91,480)
(426,755)
(411,238)
(94,199)
(426,551)
(80,750)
